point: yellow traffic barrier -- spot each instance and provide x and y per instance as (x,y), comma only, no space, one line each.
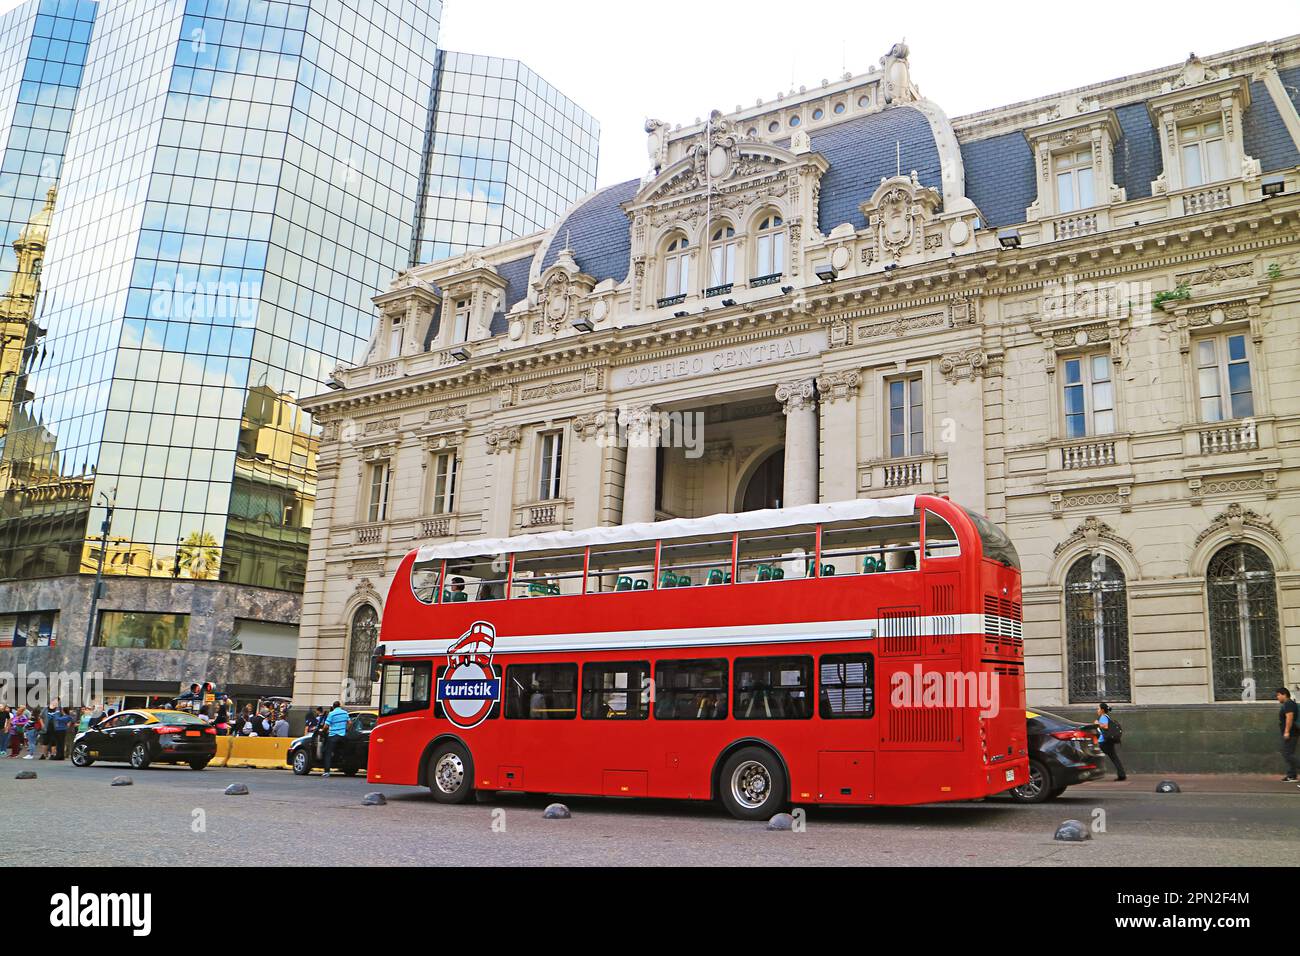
(251,752)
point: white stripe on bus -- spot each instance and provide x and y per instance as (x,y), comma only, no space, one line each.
(868,628)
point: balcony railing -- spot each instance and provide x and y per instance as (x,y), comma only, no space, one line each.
(1207,200)
(1072,227)
(542,514)
(1091,454)
(370,534)
(1226,439)
(772,279)
(671,300)
(904,474)
(713,290)
(440,527)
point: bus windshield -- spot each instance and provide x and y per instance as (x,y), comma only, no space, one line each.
(994,541)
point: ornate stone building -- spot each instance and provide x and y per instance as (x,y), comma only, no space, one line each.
(1076,314)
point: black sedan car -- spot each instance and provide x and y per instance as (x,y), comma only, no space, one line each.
(307,753)
(142,737)
(1061,754)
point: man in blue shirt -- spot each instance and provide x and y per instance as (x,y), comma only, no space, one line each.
(336,724)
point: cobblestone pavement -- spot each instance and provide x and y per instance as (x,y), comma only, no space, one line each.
(70,816)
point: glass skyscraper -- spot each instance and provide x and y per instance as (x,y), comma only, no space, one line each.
(200,198)
(510,154)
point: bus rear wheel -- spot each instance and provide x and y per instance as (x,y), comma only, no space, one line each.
(752,784)
(451,773)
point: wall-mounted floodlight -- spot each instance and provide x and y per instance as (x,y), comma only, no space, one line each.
(827,272)
(583,324)
(1009,238)
(1272,186)
(460,353)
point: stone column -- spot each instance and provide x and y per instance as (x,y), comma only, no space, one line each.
(962,438)
(642,425)
(838,392)
(799,401)
(503,443)
(585,466)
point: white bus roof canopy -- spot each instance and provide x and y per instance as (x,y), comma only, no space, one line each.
(719,524)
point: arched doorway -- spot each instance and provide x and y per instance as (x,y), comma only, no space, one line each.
(1096,621)
(361,647)
(766,485)
(1245,641)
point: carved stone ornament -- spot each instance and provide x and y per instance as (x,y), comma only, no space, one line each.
(897,212)
(796,396)
(834,386)
(504,438)
(969,365)
(587,426)
(1235,520)
(1092,532)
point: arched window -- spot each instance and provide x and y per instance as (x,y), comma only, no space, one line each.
(722,256)
(677,267)
(1244,638)
(1096,622)
(770,247)
(361,646)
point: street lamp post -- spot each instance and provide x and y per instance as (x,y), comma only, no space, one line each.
(109,503)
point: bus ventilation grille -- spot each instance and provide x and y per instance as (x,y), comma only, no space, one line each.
(922,725)
(900,630)
(1002,622)
(943,598)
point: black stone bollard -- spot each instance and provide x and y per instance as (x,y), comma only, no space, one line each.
(556,811)
(122,782)
(1073,831)
(1168,786)
(237,790)
(374,800)
(781,821)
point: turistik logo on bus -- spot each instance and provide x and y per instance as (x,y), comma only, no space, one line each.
(470,686)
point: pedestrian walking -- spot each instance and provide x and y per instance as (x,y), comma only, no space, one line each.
(1108,737)
(1288,722)
(18,725)
(336,724)
(281,728)
(6,724)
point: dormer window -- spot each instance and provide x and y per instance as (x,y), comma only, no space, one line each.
(1074,181)
(1202,152)
(770,246)
(677,267)
(460,331)
(722,257)
(395,338)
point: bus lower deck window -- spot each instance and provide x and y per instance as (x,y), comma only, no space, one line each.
(773,688)
(404,688)
(541,691)
(691,690)
(616,691)
(846,686)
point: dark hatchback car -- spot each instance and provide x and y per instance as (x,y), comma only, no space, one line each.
(307,753)
(1061,754)
(142,737)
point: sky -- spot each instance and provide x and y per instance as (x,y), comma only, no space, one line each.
(675,60)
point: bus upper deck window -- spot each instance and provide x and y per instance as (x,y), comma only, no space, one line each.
(686,562)
(481,578)
(620,566)
(871,545)
(425,580)
(547,573)
(940,538)
(776,554)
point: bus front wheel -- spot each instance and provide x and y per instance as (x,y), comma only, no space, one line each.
(752,784)
(451,773)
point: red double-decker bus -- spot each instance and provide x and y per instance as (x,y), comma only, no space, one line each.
(859,652)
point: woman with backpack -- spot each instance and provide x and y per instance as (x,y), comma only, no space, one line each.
(1109,734)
